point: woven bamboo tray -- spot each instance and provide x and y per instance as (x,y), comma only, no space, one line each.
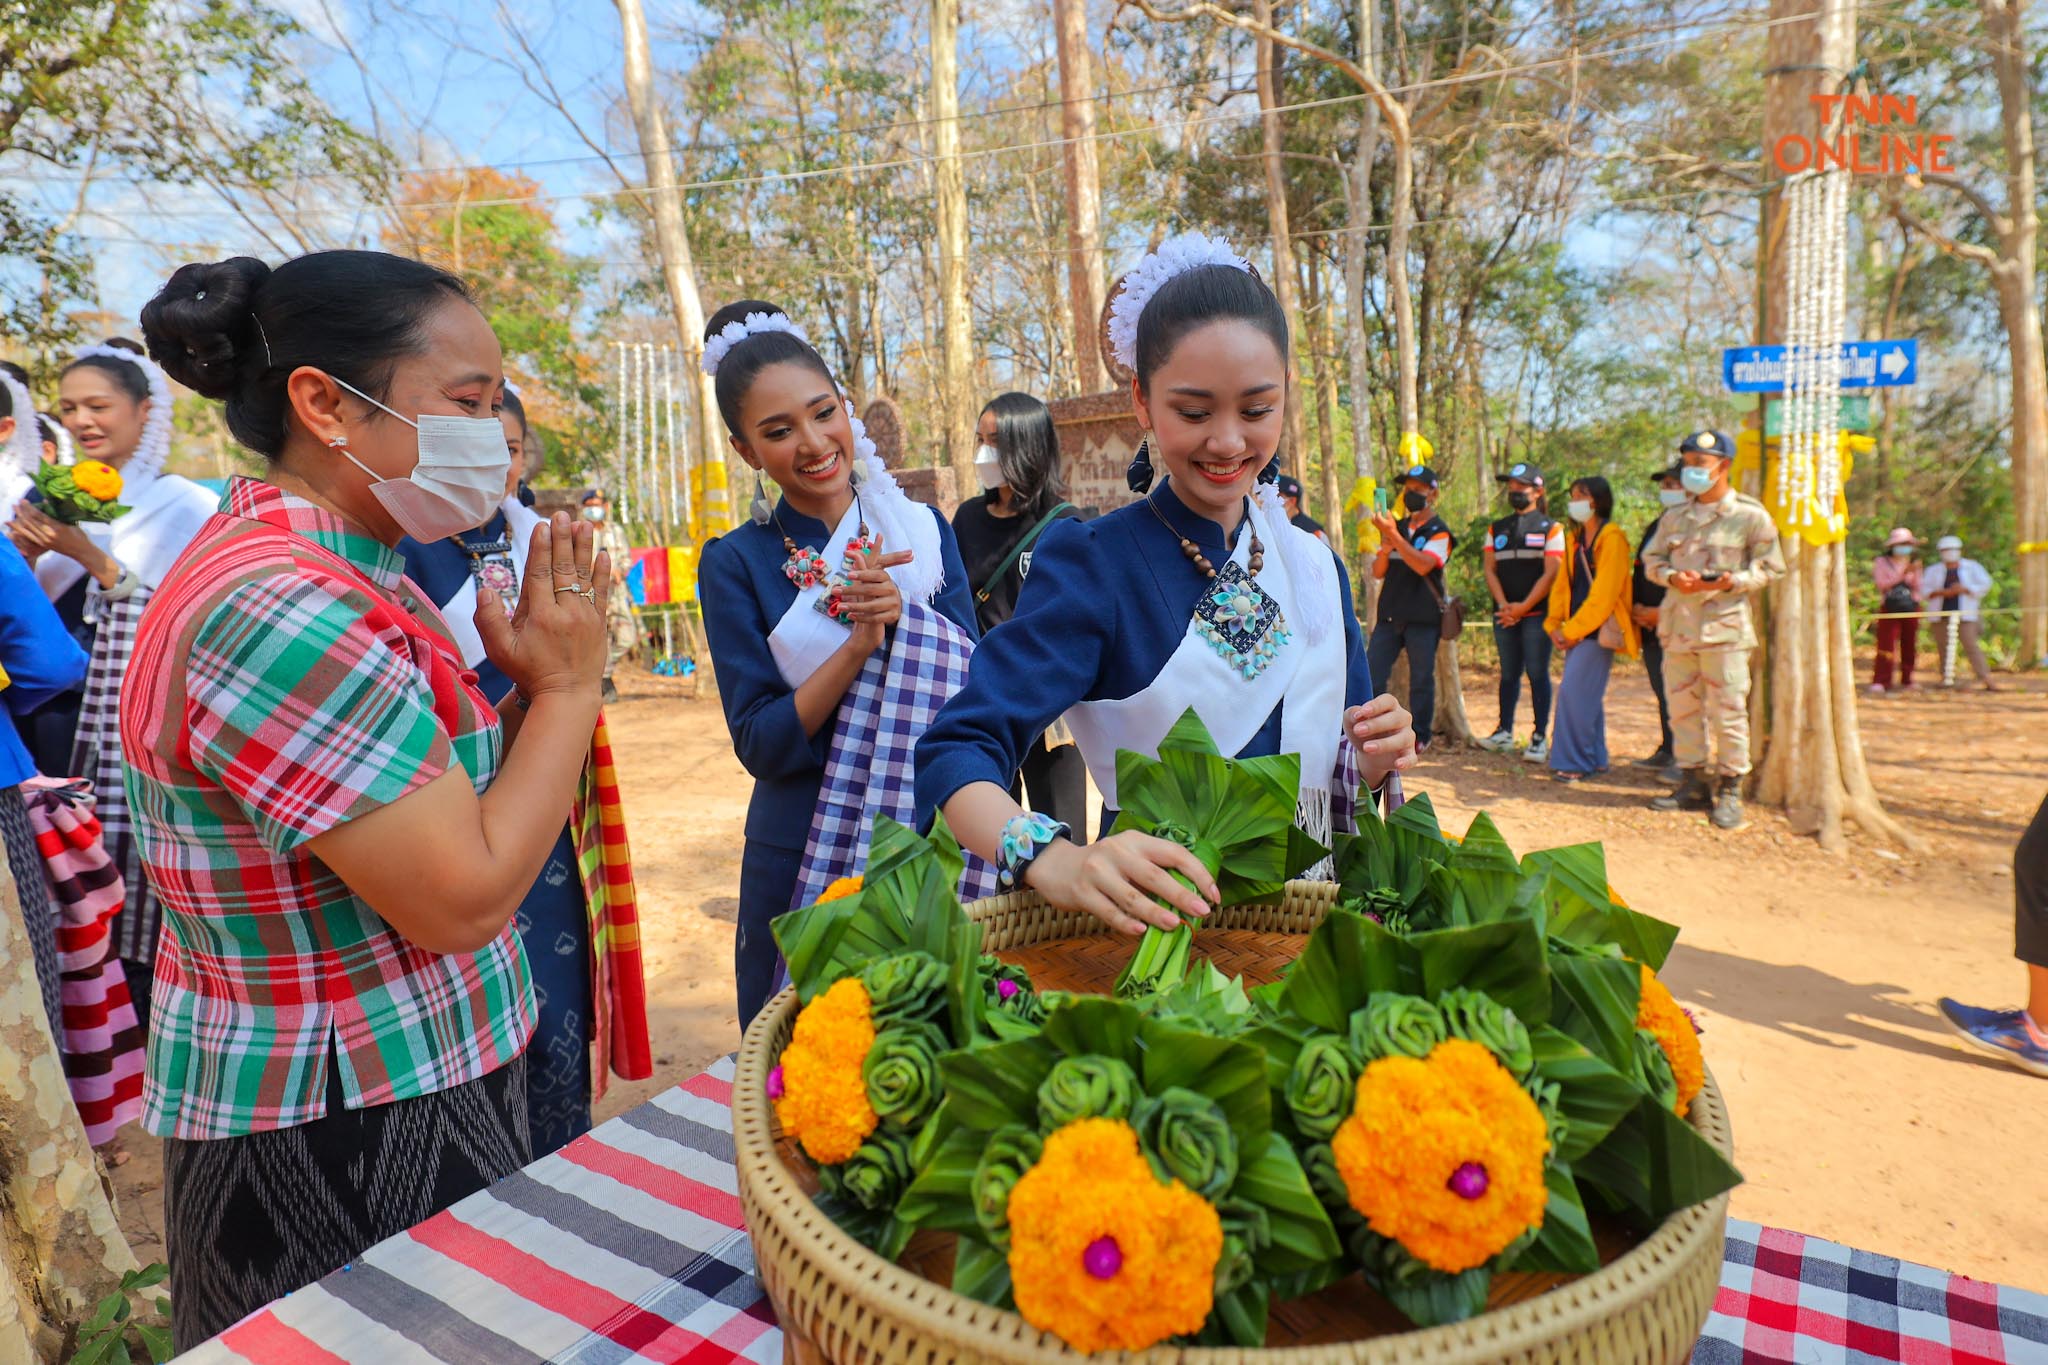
(840,1304)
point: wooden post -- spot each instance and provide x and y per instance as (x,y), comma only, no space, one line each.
(1296,455)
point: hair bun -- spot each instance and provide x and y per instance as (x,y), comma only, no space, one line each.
(201,324)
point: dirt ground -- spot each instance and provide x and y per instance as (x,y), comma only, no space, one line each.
(1857,1115)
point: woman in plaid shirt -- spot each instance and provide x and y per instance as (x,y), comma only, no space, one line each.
(336,820)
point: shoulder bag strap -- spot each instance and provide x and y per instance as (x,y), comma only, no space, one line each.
(1019,550)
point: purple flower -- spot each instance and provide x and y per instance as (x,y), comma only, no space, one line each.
(1006,988)
(775,1087)
(1103,1258)
(1468,1181)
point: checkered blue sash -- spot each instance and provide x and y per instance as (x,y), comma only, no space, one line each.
(869,768)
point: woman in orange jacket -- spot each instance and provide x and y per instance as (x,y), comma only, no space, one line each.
(1589,620)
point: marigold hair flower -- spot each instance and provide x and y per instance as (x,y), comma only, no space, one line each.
(1445,1155)
(1669,1024)
(824,1102)
(1102,1254)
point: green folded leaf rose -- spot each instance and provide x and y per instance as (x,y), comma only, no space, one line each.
(1656,1069)
(1479,1018)
(902,1074)
(1394,1025)
(1009,1154)
(1322,1088)
(875,1176)
(1189,1138)
(905,988)
(1086,1088)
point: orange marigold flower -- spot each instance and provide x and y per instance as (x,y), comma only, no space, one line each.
(839,890)
(823,1102)
(102,481)
(1445,1155)
(1101,1254)
(1666,1021)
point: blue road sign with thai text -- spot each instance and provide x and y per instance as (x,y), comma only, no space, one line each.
(1865,365)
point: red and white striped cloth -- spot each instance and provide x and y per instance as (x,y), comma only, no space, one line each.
(102,1044)
(626,1247)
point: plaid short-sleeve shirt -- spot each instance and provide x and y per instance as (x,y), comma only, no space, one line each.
(287,678)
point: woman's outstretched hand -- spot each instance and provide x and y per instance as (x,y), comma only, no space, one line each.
(1116,879)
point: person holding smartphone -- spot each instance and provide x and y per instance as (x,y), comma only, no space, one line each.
(1711,552)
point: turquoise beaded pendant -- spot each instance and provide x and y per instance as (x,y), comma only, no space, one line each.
(1241,621)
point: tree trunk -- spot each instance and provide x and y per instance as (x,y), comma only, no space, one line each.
(1276,222)
(63,1250)
(678,265)
(1324,353)
(1358,216)
(1813,752)
(950,192)
(2014,275)
(1084,192)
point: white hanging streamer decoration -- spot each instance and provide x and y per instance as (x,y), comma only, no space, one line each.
(1175,256)
(1808,477)
(155,445)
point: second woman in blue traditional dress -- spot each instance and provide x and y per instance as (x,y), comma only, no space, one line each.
(839,620)
(1201,595)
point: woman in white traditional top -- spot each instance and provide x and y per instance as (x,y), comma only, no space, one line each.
(116,404)
(839,620)
(1200,595)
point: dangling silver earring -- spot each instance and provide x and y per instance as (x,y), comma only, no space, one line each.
(761,512)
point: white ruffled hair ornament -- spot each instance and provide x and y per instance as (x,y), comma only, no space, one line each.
(902,523)
(67,454)
(1176,256)
(733,333)
(24,450)
(155,446)
(1307,559)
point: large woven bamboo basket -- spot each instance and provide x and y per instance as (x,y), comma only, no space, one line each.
(841,1304)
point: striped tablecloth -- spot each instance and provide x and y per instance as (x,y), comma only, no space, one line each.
(626,1247)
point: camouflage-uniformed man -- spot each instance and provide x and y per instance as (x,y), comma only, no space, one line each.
(1712,553)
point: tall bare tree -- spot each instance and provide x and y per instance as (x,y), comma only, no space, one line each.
(678,265)
(950,192)
(1813,760)
(2010,257)
(1084,190)
(1272,159)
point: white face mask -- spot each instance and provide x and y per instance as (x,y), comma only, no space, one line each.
(988,467)
(1580,509)
(593,513)
(1951,556)
(458,482)
(1671,497)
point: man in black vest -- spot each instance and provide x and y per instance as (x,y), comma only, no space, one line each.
(1648,598)
(1523,551)
(1410,567)
(1290,499)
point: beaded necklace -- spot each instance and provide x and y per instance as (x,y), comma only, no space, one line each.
(497,574)
(807,568)
(1238,619)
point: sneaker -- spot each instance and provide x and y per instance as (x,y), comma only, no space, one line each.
(2002,1033)
(1661,759)
(1499,742)
(1671,773)
(1728,804)
(610,693)
(1537,752)
(1692,794)
(1875,689)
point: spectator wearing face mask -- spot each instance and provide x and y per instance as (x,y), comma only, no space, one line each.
(1410,567)
(1522,554)
(1290,500)
(1957,587)
(1897,575)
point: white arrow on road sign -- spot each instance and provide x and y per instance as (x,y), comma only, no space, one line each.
(1893,363)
